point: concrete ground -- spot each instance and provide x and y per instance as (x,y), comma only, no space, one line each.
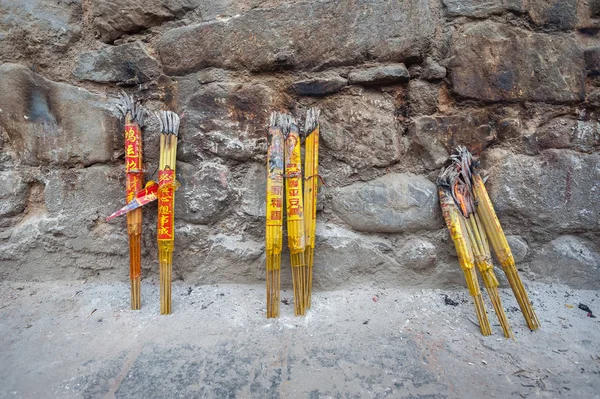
(79,339)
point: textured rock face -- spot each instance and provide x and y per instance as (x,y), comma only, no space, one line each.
(394,203)
(362,131)
(128,63)
(570,260)
(301,35)
(556,191)
(52,122)
(399,85)
(495,62)
(436,137)
(112,19)
(35,29)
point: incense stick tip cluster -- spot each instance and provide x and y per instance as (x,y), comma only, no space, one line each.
(126,104)
(169,122)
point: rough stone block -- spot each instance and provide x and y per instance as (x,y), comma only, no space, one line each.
(305,35)
(379,75)
(570,260)
(128,63)
(113,18)
(204,194)
(495,62)
(318,86)
(13,193)
(49,122)
(437,136)
(556,191)
(362,130)
(394,203)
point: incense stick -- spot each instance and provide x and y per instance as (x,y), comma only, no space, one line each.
(311,171)
(274,222)
(134,115)
(294,210)
(169,124)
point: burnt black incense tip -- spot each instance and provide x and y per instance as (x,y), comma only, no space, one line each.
(169,122)
(127,104)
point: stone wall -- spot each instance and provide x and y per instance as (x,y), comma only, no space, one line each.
(399,84)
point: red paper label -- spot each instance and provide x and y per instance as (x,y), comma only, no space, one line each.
(166,178)
(133,160)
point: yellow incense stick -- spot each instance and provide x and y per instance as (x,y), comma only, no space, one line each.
(169,122)
(311,171)
(295,210)
(274,222)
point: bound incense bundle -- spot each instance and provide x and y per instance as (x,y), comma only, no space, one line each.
(495,234)
(463,194)
(294,210)
(311,171)
(274,225)
(169,126)
(134,115)
(458,231)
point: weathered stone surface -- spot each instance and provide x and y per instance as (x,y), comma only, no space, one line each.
(518,247)
(432,70)
(475,8)
(49,122)
(343,254)
(228,120)
(556,191)
(253,191)
(394,203)
(379,75)
(318,86)
(436,136)
(551,14)
(362,130)
(557,14)
(571,260)
(581,135)
(592,60)
(422,97)
(417,254)
(38,30)
(13,194)
(495,62)
(340,32)
(231,258)
(128,63)
(113,18)
(205,192)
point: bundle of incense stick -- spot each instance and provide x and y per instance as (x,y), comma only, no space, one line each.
(462,191)
(488,224)
(311,171)
(274,225)
(169,125)
(134,115)
(458,231)
(294,210)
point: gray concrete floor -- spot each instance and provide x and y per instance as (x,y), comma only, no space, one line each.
(79,339)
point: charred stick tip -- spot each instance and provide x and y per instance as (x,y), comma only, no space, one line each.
(312,120)
(169,122)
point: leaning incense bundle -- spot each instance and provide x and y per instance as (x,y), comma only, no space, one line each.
(463,194)
(458,231)
(311,171)
(294,209)
(169,125)
(491,224)
(274,224)
(134,115)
